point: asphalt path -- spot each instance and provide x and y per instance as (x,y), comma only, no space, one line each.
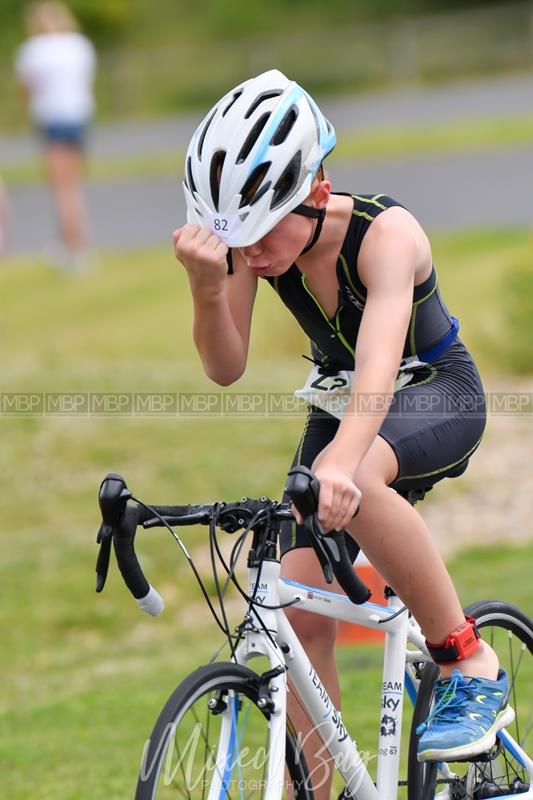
(485,188)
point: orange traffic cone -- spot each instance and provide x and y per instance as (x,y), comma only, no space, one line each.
(356,634)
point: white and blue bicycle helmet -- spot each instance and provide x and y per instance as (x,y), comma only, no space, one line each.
(253,158)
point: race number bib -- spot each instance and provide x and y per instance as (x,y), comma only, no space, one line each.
(331,393)
(226,227)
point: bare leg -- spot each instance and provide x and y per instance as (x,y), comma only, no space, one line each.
(397,541)
(64,166)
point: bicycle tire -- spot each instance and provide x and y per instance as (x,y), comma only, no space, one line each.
(510,632)
(229,684)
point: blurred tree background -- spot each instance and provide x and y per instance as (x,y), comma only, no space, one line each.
(173,55)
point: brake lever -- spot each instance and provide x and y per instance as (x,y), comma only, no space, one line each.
(112,498)
(318,539)
(104,539)
(303,489)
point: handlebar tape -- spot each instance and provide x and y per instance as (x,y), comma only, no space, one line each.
(119,523)
(123,541)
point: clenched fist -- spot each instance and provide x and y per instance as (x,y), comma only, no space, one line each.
(202,254)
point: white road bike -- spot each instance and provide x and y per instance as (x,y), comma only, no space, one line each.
(224,733)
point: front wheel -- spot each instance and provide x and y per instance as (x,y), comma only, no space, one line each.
(212,742)
(499,773)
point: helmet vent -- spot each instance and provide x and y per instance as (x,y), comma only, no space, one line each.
(285,126)
(260,99)
(202,137)
(287,182)
(233,100)
(252,189)
(215,171)
(252,138)
(317,122)
(190,179)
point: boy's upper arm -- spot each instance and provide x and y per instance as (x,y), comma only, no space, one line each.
(387,261)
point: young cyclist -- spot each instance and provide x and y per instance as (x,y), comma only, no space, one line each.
(356,271)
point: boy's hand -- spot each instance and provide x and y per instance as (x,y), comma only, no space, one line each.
(339,497)
(202,254)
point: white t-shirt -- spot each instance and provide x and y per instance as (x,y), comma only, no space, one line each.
(58,70)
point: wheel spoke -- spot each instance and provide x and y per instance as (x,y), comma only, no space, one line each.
(513,683)
(182,787)
(195,757)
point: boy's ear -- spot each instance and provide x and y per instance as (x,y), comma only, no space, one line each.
(321,194)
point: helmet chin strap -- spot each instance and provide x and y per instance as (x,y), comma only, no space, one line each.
(314,213)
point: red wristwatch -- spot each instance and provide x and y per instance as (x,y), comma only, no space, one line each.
(460,644)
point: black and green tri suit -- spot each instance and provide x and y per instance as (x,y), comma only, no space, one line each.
(437,420)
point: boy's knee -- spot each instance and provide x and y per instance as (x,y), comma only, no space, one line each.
(369,482)
(312,629)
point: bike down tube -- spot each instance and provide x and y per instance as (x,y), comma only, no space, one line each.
(326,719)
(396,632)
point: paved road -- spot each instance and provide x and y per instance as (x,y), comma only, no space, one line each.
(486,188)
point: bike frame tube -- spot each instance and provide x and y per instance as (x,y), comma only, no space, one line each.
(394,665)
(283,647)
(268,589)
(263,585)
(338,606)
(392,695)
(325,717)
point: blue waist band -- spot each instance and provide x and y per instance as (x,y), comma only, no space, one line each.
(438,349)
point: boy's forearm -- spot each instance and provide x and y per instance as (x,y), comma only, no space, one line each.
(372,395)
(217,339)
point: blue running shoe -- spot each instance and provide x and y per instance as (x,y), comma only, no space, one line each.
(466,717)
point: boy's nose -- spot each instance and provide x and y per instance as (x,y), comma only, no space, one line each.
(252,250)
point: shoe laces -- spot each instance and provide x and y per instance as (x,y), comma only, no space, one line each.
(453,694)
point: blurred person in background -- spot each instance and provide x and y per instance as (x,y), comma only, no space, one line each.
(56,66)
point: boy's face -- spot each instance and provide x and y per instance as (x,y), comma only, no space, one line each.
(275,252)
(279,248)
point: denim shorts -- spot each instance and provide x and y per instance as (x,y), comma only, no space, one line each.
(74,134)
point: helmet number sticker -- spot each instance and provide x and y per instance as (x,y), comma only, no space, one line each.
(226,227)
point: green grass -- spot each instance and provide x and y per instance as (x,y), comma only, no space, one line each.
(102,169)
(487,282)
(84,675)
(400,142)
(409,141)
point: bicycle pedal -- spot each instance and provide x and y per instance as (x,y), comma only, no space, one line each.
(482,758)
